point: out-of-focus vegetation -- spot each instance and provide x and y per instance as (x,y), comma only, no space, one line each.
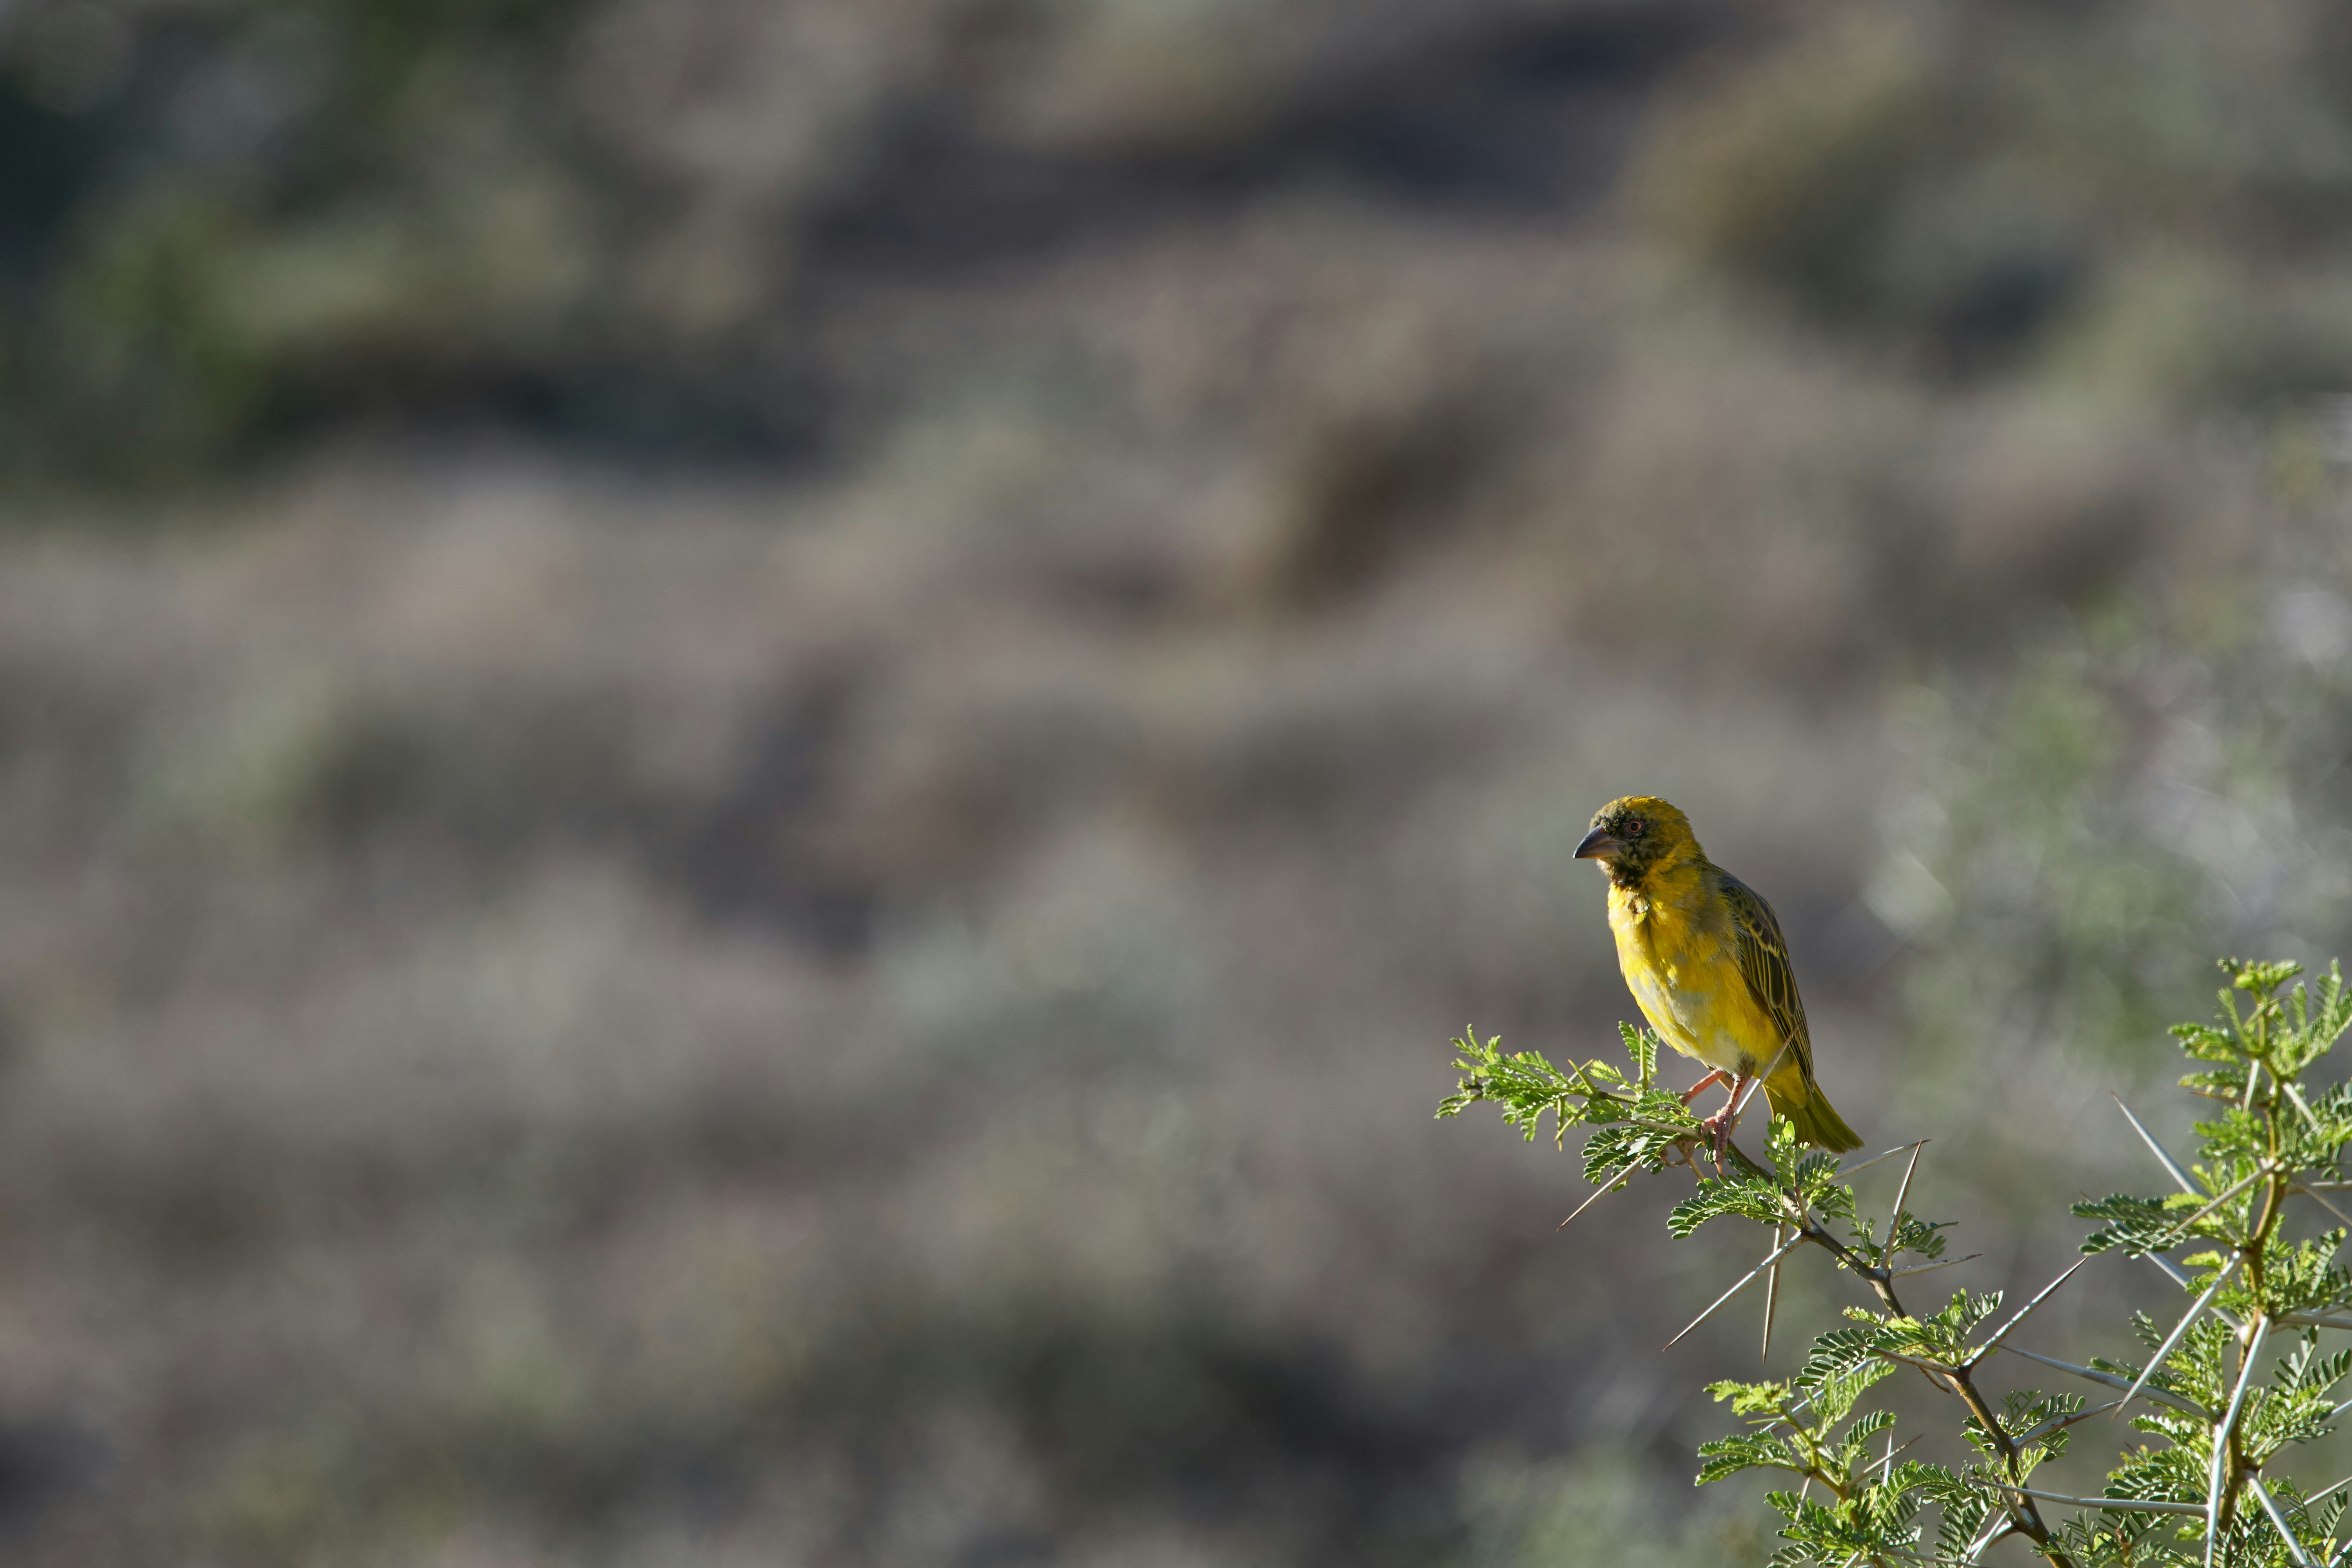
(744,748)
(2069,828)
(711,227)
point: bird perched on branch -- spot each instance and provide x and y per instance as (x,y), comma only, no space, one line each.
(1703,956)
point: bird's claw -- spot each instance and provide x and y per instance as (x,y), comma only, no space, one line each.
(1718,1128)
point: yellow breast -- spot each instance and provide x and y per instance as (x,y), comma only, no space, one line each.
(1679,953)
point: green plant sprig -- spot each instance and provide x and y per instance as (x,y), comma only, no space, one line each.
(2200,1494)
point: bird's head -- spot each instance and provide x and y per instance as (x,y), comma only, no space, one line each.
(1634,836)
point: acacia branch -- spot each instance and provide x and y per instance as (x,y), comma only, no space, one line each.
(1956,1380)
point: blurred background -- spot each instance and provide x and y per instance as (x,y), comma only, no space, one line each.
(751,753)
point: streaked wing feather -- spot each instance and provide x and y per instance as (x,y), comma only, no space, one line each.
(1764,960)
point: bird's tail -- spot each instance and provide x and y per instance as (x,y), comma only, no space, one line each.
(1814,1117)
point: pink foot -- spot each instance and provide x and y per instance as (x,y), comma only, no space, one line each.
(1719,1126)
(1703,1085)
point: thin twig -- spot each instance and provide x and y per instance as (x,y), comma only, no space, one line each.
(2003,1332)
(1794,1406)
(2223,1459)
(2162,1396)
(2148,1137)
(1881,1159)
(1932,1368)
(2002,1524)
(1775,1256)
(2263,1496)
(1772,1293)
(2296,1095)
(1895,1219)
(1931,1268)
(2322,1203)
(1891,1451)
(2179,1329)
(2180,1231)
(1605,1187)
(2172,1271)
(2058,1422)
(2127,1505)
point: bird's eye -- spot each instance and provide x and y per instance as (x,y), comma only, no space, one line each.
(1633,827)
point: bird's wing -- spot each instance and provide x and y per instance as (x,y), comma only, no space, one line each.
(1764,962)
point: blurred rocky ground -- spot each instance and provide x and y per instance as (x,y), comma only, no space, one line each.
(750,754)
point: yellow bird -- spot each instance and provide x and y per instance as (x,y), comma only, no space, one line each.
(1703,956)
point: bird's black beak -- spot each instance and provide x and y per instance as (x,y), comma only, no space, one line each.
(1600,845)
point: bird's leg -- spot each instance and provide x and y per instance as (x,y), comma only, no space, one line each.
(1715,1075)
(1720,1125)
